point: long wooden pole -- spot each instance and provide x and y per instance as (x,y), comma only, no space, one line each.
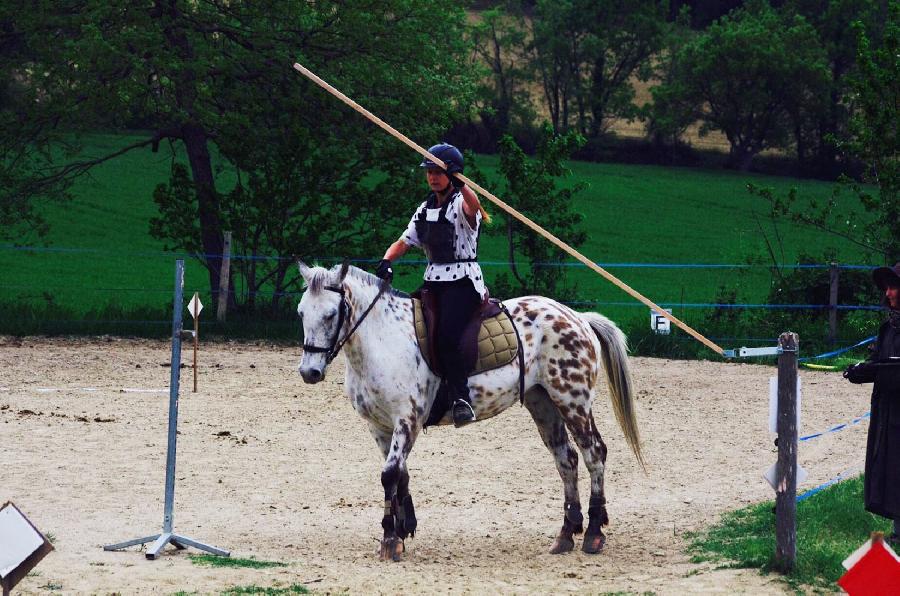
(590,264)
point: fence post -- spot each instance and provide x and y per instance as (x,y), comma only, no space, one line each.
(224,279)
(832,301)
(786,468)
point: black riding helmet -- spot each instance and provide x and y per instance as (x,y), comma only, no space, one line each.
(447,153)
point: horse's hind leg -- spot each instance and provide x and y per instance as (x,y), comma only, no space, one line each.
(580,422)
(553,432)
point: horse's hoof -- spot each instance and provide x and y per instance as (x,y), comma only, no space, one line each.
(593,544)
(562,545)
(391,549)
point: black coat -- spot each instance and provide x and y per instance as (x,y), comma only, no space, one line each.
(882,481)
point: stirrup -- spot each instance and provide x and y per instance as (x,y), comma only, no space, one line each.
(463,413)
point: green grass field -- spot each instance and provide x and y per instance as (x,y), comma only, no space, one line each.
(830,526)
(100,260)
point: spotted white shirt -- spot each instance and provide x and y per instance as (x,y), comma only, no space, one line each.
(466,245)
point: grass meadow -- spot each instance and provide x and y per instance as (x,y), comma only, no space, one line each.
(830,526)
(100,264)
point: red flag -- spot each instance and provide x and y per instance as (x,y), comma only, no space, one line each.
(873,570)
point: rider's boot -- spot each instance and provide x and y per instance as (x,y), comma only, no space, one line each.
(463,413)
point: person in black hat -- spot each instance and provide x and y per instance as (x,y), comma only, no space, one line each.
(882,475)
(446,226)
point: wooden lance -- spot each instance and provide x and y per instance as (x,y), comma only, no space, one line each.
(522,218)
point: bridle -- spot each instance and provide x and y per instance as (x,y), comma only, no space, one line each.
(343,312)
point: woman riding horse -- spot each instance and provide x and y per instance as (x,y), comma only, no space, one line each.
(392,387)
(446,227)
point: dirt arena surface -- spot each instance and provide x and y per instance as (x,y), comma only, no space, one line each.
(275,470)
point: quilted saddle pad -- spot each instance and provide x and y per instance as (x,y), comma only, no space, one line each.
(497,344)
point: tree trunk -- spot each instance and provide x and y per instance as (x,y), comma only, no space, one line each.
(740,157)
(512,253)
(195,142)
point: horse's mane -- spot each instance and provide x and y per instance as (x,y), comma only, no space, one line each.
(321,277)
(368,279)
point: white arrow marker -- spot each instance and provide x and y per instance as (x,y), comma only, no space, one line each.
(194,306)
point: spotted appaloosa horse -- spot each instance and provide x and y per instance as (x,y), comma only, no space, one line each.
(392,388)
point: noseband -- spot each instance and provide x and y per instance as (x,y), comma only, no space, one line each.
(343,311)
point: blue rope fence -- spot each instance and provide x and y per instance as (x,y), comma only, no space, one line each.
(840,351)
(842,476)
(836,428)
(336,259)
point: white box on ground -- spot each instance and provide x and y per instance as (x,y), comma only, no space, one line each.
(659,323)
(769,475)
(18,539)
(773,404)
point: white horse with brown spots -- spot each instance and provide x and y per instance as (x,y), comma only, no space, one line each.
(392,388)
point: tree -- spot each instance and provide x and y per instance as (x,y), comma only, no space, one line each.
(672,109)
(587,52)
(531,185)
(215,77)
(746,70)
(822,114)
(873,139)
(499,41)
(874,94)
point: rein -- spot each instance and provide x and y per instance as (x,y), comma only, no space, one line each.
(335,348)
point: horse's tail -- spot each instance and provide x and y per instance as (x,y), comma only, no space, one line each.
(618,377)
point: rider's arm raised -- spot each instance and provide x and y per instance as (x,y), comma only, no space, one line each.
(471,204)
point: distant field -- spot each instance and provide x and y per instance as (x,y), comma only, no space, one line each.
(100,252)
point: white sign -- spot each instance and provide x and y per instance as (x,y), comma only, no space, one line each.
(18,539)
(194,306)
(769,475)
(773,404)
(659,323)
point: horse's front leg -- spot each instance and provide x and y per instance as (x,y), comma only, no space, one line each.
(399,519)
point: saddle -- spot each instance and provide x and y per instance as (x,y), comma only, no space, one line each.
(489,340)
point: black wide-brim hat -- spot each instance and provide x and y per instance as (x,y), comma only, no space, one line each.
(887,276)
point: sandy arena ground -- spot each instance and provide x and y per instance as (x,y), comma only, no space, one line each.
(273,469)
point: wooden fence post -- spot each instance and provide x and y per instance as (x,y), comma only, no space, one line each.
(786,468)
(834,271)
(224,279)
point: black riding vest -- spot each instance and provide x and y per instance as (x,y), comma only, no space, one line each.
(438,237)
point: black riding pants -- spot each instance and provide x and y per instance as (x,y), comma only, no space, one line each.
(457,302)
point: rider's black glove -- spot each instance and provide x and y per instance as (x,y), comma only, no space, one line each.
(384,270)
(456,182)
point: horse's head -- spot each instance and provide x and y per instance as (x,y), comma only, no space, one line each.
(323,310)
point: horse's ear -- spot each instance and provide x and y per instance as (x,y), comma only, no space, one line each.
(305,271)
(345,267)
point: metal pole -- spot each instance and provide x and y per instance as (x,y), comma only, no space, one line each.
(786,468)
(174,377)
(168,536)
